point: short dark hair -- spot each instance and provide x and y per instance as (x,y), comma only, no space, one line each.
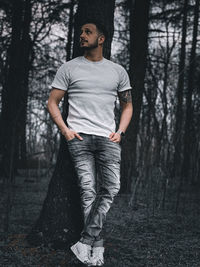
(99,25)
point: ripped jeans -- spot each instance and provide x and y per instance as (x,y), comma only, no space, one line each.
(95,157)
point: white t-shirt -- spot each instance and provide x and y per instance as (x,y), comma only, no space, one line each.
(92,91)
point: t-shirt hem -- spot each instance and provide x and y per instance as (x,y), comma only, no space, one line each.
(124,89)
(58,87)
(94,133)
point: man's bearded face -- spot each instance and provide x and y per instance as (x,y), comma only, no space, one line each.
(89,37)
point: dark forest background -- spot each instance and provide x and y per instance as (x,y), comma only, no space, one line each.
(158,43)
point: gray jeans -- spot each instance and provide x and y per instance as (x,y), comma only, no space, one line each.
(95,157)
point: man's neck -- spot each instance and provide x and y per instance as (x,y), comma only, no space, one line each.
(93,55)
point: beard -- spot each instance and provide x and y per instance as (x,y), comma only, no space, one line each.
(91,46)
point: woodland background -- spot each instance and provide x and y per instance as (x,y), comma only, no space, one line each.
(155,220)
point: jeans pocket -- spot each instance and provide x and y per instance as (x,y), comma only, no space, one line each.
(114,142)
(68,141)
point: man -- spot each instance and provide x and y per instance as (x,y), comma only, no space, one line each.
(93,83)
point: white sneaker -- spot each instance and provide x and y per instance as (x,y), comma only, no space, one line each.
(97,258)
(82,252)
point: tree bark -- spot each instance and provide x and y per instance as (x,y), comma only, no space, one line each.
(60,221)
(139,20)
(189,109)
(179,95)
(187,138)
(70,30)
(15,90)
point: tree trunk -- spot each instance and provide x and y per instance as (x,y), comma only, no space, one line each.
(187,138)
(25,61)
(139,19)
(180,87)
(60,220)
(189,92)
(14,93)
(70,29)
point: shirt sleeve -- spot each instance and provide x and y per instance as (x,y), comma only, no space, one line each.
(124,81)
(61,80)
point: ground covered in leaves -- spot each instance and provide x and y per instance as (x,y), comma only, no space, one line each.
(134,235)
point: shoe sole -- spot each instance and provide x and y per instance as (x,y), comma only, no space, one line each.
(75,251)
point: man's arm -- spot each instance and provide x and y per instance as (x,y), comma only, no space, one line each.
(53,107)
(127,111)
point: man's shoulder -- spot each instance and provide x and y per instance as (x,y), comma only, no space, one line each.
(70,65)
(72,61)
(114,64)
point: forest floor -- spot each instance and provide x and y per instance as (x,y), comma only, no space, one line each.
(134,237)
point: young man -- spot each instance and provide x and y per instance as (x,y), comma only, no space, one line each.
(93,83)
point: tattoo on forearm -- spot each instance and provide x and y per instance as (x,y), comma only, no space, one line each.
(125,96)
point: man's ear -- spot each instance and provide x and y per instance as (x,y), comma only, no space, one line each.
(101,39)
